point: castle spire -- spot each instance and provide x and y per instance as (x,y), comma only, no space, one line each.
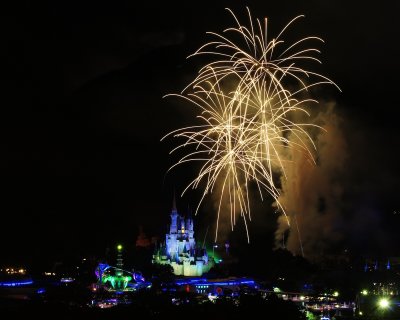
(174,202)
(173,229)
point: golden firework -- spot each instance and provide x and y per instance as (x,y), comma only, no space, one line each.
(247,97)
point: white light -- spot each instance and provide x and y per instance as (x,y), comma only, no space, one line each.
(383,303)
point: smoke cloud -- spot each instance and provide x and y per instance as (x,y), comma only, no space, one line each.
(311,193)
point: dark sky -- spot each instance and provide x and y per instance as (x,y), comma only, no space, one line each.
(82,114)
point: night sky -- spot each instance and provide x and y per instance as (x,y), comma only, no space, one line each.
(82,115)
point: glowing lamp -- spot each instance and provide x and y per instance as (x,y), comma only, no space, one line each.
(119,247)
(383,303)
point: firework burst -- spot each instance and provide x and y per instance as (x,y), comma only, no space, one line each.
(244,130)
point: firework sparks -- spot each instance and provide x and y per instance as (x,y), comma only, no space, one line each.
(245,129)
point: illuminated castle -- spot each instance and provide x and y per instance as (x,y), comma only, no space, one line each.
(180,250)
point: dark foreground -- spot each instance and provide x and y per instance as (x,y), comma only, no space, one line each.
(155,307)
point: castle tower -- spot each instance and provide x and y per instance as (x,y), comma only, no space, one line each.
(174,217)
(171,237)
(189,221)
(190,232)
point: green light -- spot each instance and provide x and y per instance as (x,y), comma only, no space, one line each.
(383,303)
(336,294)
(364,292)
(119,247)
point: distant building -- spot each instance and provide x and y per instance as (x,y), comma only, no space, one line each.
(179,249)
(142,240)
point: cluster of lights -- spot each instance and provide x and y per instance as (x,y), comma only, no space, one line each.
(118,282)
(385,289)
(328,295)
(381,291)
(364,292)
(202,287)
(14,270)
(202,281)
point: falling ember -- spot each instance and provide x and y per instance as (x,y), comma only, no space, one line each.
(247,98)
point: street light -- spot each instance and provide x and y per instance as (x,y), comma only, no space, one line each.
(336,294)
(383,303)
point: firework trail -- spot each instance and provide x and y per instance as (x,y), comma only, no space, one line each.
(247,104)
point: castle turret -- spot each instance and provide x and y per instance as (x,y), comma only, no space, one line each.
(189,222)
(174,217)
(190,232)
